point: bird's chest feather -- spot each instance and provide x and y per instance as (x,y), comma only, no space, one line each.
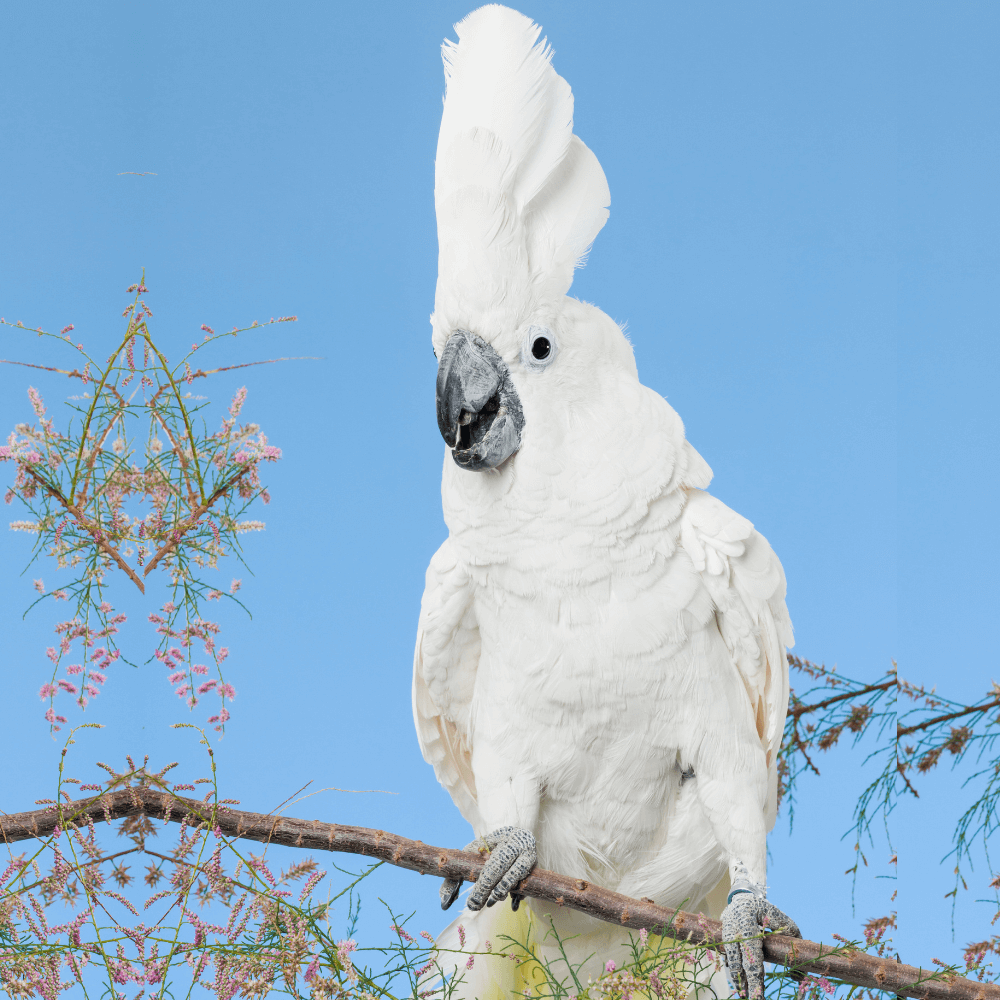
(588,682)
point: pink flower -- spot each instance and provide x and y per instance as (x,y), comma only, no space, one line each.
(609,965)
(105,607)
(47,690)
(74,668)
(461,936)
(471,962)
(66,686)
(36,402)
(39,586)
(66,329)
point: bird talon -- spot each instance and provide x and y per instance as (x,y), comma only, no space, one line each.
(512,856)
(745,920)
(449,891)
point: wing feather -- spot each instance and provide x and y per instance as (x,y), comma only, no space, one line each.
(445,662)
(747,585)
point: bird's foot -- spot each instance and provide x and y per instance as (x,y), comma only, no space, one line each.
(512,856)
(746,917)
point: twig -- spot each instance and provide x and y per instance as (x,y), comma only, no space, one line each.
(900,733)
(856,967)
(192,520)
(802,709)
(94,531)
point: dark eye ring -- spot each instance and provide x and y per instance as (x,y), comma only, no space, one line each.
(541,348)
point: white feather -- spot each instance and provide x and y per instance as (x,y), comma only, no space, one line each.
(519,198)
(595,624)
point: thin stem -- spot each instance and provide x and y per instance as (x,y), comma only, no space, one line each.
(94,530)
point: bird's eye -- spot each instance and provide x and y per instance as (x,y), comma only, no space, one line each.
(539,348)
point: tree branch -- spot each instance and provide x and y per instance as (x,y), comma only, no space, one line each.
(900,733)
(802,709)
(93,530)
(856,967)
(192,520)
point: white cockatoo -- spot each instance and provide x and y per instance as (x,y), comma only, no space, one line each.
(600,678)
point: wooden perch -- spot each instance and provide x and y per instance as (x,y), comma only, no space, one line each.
(856,968)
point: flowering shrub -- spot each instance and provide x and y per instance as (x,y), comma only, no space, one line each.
(137,482)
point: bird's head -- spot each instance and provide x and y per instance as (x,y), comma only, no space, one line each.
(492,400)
(519,200)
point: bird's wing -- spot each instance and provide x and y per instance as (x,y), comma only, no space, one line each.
(747,585)
(519,198)
(444,674)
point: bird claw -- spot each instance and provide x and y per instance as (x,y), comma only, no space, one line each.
(512,856)
(744,921)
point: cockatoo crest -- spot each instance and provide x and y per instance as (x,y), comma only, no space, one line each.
(519,198)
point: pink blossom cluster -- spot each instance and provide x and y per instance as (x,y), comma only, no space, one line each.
(77,487)
(816,986)
(178,659)
(92,673)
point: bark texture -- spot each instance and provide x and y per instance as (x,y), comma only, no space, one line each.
(810,957)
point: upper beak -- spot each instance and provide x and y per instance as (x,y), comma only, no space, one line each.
(478,410)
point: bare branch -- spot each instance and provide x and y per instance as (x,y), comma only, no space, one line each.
(857,967)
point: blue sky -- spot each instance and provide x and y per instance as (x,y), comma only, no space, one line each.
(802,242)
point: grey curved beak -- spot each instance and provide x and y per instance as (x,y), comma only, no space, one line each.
(478,410)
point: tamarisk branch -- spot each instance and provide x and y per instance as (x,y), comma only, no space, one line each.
(854,967)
